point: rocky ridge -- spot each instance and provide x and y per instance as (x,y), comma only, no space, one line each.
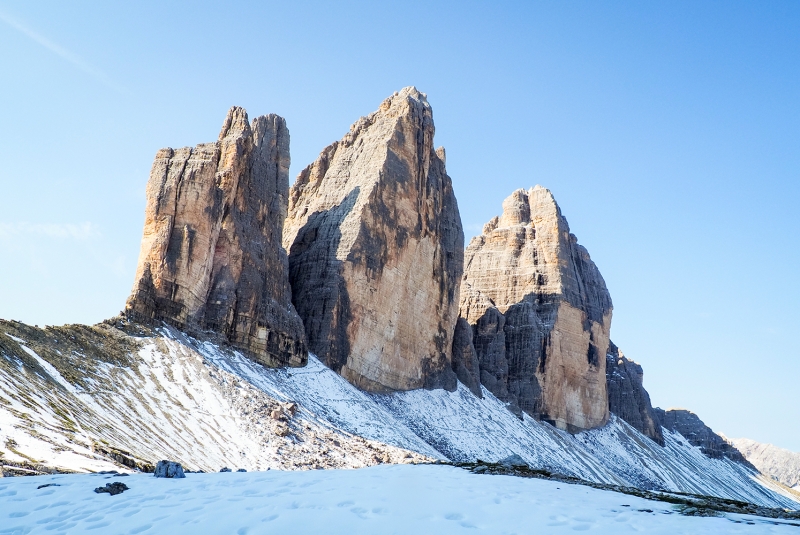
(627,397)
(376,251)
(211,256)
(699,434)
(540,314)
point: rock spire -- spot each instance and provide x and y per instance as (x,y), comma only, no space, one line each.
(376,251)
(540,314)
(211,257)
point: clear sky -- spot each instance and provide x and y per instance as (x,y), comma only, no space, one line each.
(669,133)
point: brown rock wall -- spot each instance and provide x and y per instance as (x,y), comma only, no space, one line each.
(540,313)
(211,256)
(376,251)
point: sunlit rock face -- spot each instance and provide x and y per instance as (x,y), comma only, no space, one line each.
(376,251)
(540,314)
(211,257)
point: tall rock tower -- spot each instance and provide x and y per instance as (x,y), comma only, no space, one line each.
(376,251)
(540,314)
(211,256)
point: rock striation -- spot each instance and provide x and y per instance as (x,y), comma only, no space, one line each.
(376,251)
(627,397)
(699,434)
(540,314)
(211,257)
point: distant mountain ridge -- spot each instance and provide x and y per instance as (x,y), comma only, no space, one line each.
(780,464)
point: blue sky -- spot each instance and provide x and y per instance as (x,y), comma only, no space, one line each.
(669,133)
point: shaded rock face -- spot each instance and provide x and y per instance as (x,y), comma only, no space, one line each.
(376,251)
(465,359)
(627,397)
(211,256)
(169,469)
(699,434)
(540,314)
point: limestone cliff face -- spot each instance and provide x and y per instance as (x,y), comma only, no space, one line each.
(627,397)
(376,251)
(211,257)
(540,314)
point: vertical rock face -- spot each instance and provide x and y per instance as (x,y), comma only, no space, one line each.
(699,434)
(465,358)
(211,255)
(540,314)
(376,251)
(627,397)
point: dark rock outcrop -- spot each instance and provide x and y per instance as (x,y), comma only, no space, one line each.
(627,397)
(465,358)
(112,488)
(169,469)
(211,256)
(376,251)
(540,314)
(699,434)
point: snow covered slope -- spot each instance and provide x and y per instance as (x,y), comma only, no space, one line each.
(167,396)
(377,500)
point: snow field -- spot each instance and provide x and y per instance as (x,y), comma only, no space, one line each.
(378,500)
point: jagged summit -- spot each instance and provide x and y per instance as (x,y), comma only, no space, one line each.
(540,313)
(376,251)
(211,256)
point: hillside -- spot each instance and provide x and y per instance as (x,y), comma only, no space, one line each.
(143,395)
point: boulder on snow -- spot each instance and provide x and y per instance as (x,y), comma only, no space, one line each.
(513,460)
(169,469)
(241,470)
(225,469)
(113,488)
